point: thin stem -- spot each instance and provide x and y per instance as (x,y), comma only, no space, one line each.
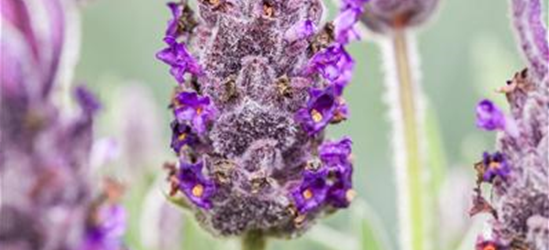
(254,240)
(413,168)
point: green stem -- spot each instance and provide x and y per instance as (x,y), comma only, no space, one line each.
(408,106)
(254,240)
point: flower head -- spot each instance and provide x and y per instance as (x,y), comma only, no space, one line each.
(270,81)
(489,116)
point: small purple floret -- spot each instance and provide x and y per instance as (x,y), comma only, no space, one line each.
(312,191)
(299,31)
(344,25)
(193,109)
(319,112)
(87,100)
(182,135)
(496,165)
(489,116)
(173,24)
(110,228)
(336,152)
(334,64)
(181,61)
(194,184)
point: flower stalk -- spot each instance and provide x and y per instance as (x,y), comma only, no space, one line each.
(404,101)
(254,240)
(413,161)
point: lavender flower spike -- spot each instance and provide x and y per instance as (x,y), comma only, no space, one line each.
(48,200)
(249,126)
(518,172)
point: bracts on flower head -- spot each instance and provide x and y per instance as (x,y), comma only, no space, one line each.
(250,111)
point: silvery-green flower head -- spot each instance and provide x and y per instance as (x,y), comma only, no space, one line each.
(258,83)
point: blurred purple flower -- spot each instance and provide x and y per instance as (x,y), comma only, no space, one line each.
(44,161)
(495,165)
(489,116)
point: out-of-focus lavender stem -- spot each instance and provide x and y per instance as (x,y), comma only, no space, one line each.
(254,241)
(410,185)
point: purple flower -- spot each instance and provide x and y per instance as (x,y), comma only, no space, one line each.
(334,64)
(344,25)
(173,24)
(341,191)
(319,112)
(108,229)
(181,61)
(353,3)
(87,100)
(182,135)
(489,116)
(197,111)
(312,191)
(490,244)
(495,165)
(336,152)
(300,30)
(194,184)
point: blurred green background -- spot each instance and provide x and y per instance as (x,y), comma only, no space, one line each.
(466,52)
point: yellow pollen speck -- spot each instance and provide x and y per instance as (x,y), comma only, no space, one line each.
(182,136)
(317,116)
(198,111)
(307,194)
(198,190)
(489,247)
(494,165)
(350,195)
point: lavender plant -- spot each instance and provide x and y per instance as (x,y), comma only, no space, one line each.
(258,83)
(517,171)
(47,197)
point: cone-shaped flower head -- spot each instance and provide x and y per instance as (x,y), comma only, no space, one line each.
(519,170)
(47,196)
(258,83)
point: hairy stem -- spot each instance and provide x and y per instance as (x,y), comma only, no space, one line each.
(409,168)
(254,240)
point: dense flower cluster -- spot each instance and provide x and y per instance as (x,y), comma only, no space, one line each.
(518,172)
(259,81)
(47,197)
